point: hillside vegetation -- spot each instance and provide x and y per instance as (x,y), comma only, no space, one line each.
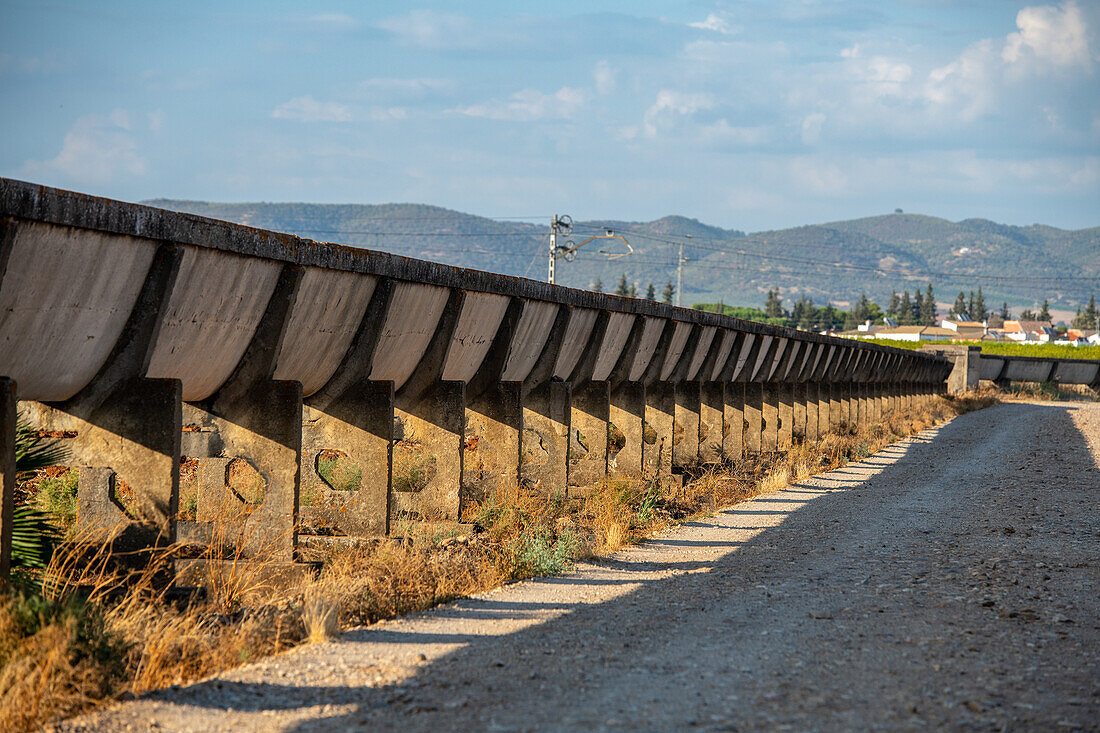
(835,262)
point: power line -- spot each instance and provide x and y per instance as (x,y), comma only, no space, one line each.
(366,233)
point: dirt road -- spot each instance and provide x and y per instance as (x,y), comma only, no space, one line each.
(948,581)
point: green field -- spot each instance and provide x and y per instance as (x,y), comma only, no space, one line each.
(1006,348)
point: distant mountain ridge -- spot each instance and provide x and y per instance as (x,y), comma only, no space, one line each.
(834,261)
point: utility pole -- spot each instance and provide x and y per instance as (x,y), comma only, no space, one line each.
(553,247)
(680,271)
(559,224)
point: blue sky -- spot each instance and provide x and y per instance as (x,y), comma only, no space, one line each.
(749,115)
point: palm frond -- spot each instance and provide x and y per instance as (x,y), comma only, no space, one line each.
(32,538)
(33,450)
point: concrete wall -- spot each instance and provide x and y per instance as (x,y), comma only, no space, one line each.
(213,371)
(969,365)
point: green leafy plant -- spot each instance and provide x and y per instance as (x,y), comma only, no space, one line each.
(34,450)
(542,554)
(32,536)
(649,501)
(339,472)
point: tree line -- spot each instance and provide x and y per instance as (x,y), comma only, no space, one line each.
(918,309)
(630,290)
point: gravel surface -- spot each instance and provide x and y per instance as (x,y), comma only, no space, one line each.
(948,581)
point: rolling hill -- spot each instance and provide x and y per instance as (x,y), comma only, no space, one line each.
(835,261)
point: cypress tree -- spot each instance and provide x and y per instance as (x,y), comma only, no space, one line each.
(773,306)
(669,293)
(928,308)
(959,310)
(651,292)
(905,309)
(980,312)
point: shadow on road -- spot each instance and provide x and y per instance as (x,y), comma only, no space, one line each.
(575,639)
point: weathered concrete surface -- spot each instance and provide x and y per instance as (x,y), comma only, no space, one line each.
(257,420)
(327,312)
(494,424)
(428,457)
(588,434)
(660,420)
(269,342)
(924,587)
(69,293)
(544,458)
(1005,369)
(411,323)
(685,444)
(360,428)
(1070,371)
(712,427)
(494,408)
(212,314)
(786,416)
(966,365)
(754,417)
(126,424)
(733,418)
(627,415)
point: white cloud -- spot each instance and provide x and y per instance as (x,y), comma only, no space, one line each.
(722,132)
(333,21)
(671,104)
(966,84)
(388,113)
(404,88)
(886,76)
(1056,36)
(713,23)
(605,77)
(308,109)
(156,119)
(96,150)
(529,105)
(818,176)
(430,29)
(811,128)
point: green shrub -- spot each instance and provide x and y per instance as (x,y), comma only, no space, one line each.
(57,496)
(29,613)
(540,553)
(339,472)
(412,470)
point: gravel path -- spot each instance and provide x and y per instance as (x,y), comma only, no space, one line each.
(947,581)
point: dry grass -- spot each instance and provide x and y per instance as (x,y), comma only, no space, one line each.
(1045,391)
(100,623)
